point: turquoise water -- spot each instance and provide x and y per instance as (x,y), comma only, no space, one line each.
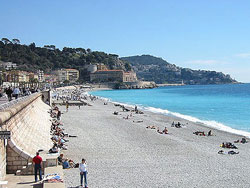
(220,106)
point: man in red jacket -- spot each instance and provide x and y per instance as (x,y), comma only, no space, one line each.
(37,160)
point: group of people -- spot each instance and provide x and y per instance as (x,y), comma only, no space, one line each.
(57,132)
(59,140)
(17,92)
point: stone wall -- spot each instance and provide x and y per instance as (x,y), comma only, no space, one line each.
(29,124)
(2,160)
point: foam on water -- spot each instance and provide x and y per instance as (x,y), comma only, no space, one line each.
(212,124)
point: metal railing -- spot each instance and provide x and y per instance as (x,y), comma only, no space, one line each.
(8,104)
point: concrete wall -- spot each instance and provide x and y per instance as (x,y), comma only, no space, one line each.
(29,123)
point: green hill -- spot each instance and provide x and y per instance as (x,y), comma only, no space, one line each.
(48,58)
(150,68)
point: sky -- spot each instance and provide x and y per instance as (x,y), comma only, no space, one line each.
(197,34)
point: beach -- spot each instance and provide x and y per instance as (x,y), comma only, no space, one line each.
(122,152)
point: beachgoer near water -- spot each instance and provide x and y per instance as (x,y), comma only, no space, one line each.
(209,133)
(83,173)
(165,131)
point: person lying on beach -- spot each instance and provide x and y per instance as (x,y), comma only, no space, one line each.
(221,152)
(138,121)
(233,152)
(158,130)
(200,133)
(165,131)
(243,141)
(228,145)
(151,127)
(126,117)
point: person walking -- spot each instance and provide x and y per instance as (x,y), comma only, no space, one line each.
(9,93)
(16,92)
(37,161)
(83,173)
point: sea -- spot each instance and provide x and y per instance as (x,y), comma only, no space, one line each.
(224,107)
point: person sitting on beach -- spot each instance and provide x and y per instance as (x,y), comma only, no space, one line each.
(173,124)
(115,113)
(60,159)
(165,130)
(209,133)
(178,125)
(65,164)
(243,140)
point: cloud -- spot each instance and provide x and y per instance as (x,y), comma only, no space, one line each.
(243,55)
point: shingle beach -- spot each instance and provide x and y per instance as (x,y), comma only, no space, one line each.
(123,153)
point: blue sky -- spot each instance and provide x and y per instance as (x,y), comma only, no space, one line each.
(198,34)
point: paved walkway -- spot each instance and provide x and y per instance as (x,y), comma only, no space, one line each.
(22,181)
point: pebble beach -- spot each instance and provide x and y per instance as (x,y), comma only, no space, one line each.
(124,153)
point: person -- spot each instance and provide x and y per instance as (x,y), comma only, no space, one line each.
(60,159)
(83,173)
(9,93)
(66,164)
(16,92)
(209,133)
(165,131)
(37,160)
(67,106)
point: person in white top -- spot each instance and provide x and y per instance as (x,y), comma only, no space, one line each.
(83,173)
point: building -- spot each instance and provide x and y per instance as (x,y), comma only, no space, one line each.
(101,67)
(16,76)
(107,76)
(8,65)
(40,74)
(129,77)
(71,75)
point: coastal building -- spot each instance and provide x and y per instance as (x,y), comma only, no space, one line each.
(113,76)
(107,76)
(129,77)
(8,65)
(71,75)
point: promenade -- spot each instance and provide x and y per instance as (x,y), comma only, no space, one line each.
(123,153)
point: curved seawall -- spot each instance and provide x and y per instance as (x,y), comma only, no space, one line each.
(29,124)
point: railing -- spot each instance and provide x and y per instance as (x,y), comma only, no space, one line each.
(13,102)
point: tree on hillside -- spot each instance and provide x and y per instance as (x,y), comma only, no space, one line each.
(6,41)
(15,41)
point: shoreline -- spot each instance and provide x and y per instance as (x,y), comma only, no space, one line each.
(205,123)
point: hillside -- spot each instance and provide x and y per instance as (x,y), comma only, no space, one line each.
(150,68)
(48,58)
